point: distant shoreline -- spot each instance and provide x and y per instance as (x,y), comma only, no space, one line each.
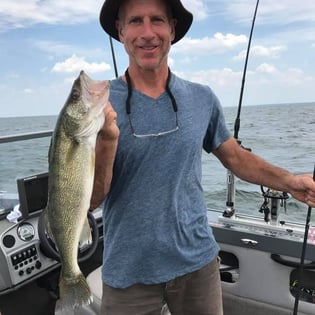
(225,106)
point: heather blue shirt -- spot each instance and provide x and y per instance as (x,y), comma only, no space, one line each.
(155,220)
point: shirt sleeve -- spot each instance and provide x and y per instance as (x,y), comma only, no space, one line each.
(217,131)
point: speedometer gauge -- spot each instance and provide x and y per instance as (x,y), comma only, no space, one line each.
(26,232)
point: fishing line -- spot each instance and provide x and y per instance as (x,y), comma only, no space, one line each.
(301,267)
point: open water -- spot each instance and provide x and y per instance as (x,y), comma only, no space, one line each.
(281,134)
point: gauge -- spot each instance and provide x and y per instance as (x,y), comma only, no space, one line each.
(26,232)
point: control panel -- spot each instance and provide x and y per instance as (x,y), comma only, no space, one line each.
(21,258)
(25,263)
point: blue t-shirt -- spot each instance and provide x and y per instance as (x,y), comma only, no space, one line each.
(155,215)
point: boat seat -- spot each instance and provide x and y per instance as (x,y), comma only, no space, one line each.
(94,280)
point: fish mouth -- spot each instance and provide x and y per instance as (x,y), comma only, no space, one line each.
(95,95)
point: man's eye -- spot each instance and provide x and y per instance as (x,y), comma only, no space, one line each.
(135,21)
(158,20)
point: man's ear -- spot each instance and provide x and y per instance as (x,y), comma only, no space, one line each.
(120,31)
(173,28)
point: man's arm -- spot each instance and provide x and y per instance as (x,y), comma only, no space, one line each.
(105,152)
(256,170)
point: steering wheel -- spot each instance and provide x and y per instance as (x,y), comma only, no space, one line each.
(49,248)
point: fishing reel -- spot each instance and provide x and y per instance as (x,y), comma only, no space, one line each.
(276,199)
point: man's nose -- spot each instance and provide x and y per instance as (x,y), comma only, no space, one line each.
(147,30)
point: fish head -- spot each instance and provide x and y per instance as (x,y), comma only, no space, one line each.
(83,114)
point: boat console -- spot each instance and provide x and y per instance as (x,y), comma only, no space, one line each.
(23,257)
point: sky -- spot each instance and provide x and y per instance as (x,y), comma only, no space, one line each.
(45,43)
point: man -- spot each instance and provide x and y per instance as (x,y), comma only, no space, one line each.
(158,247)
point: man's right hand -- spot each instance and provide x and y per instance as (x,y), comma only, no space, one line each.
(110,130)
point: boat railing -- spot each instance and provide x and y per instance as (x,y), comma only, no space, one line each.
(25,136)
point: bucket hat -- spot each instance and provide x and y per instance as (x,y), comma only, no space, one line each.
(109,15)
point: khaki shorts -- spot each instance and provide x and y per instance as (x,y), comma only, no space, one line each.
(197,293)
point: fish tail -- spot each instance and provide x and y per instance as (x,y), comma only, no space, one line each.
(73,293)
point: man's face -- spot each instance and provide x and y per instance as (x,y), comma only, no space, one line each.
(146,29)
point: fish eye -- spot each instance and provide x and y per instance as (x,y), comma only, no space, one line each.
(75,94)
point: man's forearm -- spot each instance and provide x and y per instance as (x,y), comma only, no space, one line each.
(104,161)
(258,171)
(252,168)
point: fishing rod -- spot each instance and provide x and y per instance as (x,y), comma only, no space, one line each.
(230,200)
(113,55)
(301,267)
(230,178)
(238,120)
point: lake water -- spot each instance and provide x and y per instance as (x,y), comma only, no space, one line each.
(281,134)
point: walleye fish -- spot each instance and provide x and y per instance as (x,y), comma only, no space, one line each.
(71,175)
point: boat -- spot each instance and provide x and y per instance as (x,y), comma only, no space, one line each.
(260,255)
(267,265)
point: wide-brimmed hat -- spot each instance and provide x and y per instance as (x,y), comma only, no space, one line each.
(109,15)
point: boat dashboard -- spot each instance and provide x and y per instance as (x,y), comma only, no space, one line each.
(22,256)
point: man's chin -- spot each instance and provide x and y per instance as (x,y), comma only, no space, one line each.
(150,65)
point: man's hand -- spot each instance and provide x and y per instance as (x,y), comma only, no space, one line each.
(105,152)
(303,189)
(110,130)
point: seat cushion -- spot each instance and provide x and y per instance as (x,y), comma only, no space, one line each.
(94,280)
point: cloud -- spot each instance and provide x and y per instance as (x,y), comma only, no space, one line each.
(19,14)
(198,8)
(225,77)
(58,48)
(287,11)
(262,51)
(55,48)
(265,76)
(28,91)
(269,11)
(216,44)
(76,64)
(266,68)
(269,74)
(266,84)
(171,61)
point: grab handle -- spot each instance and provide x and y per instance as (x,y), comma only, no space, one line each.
(280,260)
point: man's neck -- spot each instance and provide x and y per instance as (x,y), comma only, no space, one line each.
(149,82)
